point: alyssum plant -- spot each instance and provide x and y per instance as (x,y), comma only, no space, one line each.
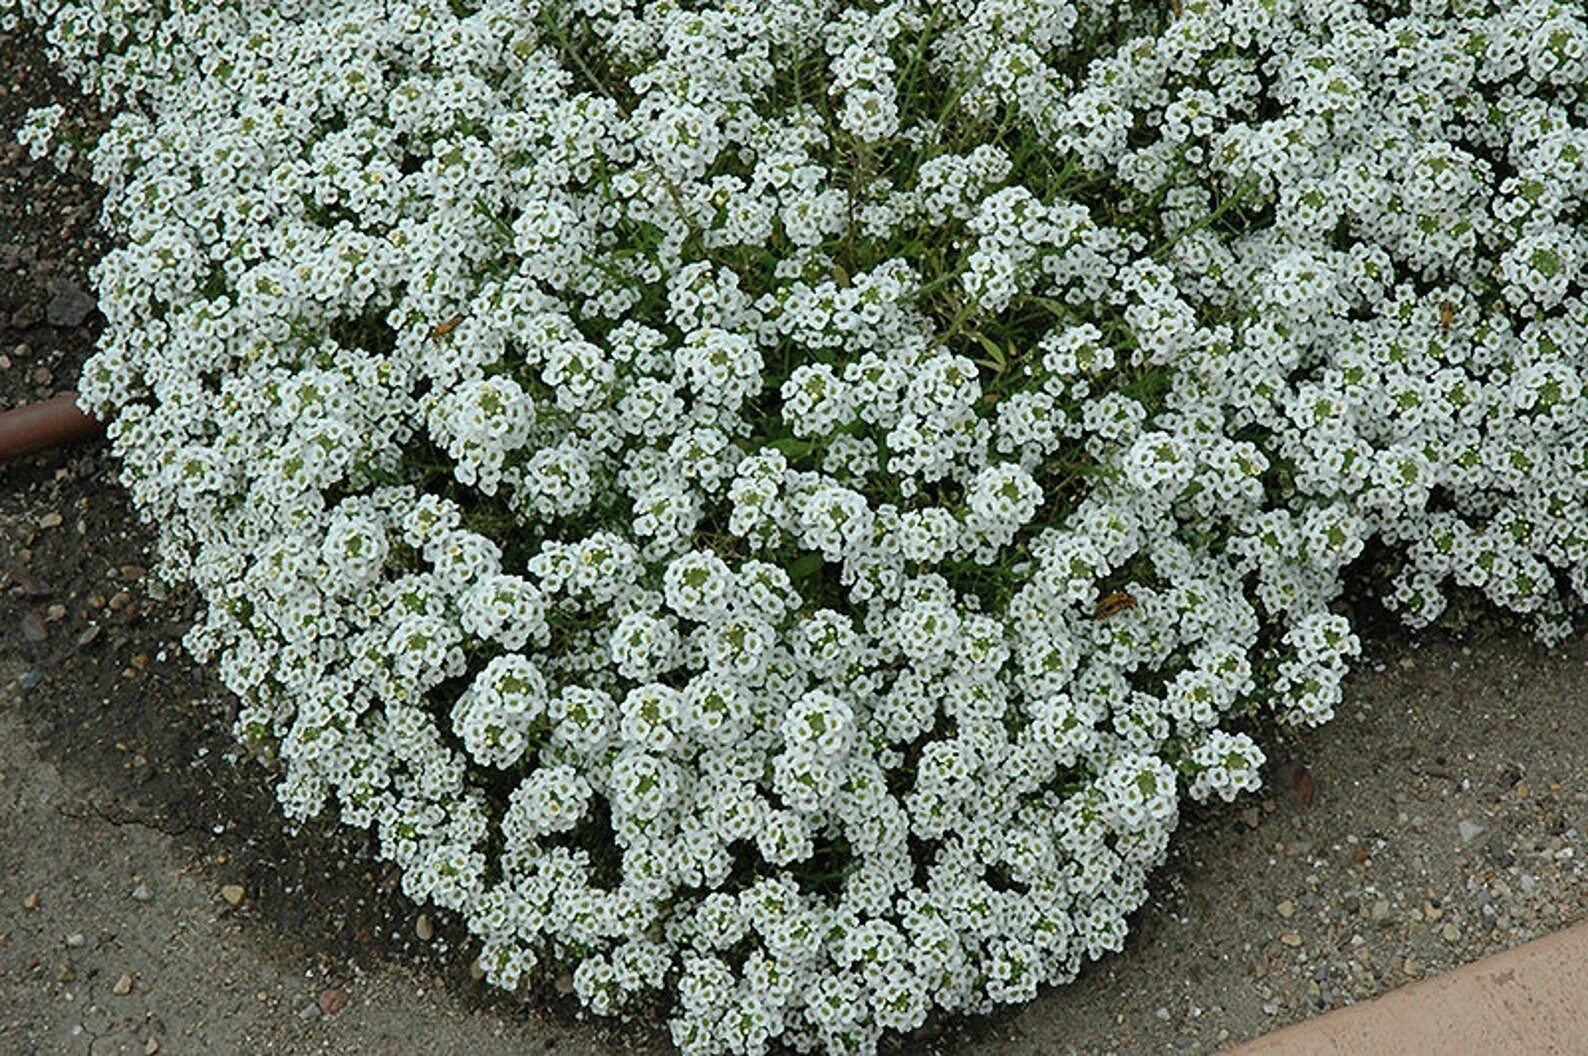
(776,501)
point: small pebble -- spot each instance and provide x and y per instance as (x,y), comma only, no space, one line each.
(1450,933)
(31,902)
(333,1001)
(55,613)
(424,928)
(123,986)
(1496,849)
(75,939)
(141,893)
(1286,909)
(69,305)
(1290,938)
(1470,830)
(233,894)
(151,1046)
(50,520)
(309,1011)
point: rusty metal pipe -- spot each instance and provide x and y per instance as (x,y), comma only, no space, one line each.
(40,426)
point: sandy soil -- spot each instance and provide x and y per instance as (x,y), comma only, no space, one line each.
(150,899)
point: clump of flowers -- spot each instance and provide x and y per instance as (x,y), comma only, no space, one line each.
(776,502)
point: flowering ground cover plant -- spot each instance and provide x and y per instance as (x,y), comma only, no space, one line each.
(775,502)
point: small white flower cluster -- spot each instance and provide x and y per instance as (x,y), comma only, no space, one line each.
(38,134)
(38,129)
(777,502)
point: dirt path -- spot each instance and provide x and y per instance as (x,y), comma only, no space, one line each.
(114,940)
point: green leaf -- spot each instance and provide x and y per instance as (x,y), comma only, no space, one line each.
(793,447)
(805,567)
(996,358)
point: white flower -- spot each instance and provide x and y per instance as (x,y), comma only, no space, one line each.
(821,723)
(699,586)
(793,540)
(551,799)
(498,712)
(38,128)
(644,645)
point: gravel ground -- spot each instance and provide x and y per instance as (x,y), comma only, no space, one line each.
(150,899)
(117,936)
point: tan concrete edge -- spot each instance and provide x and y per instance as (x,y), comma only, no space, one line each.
(1532,1001)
